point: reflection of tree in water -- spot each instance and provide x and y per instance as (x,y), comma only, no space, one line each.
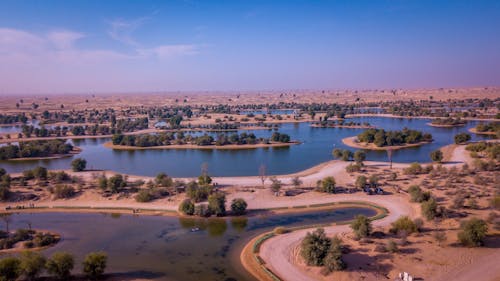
(216,227)
(239,224)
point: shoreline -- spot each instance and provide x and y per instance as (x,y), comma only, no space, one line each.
(194,146)
(474,131)
(445,125)
(343,126)
(354,143)
(76,150)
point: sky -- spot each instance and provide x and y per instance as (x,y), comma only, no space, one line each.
(86,46)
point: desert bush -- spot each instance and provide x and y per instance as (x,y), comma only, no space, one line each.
(473,232)
(403,224)
(361,226)
(187,207)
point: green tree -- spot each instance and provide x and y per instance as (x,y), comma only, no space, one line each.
(359,156)
(360,182)
(217,204)
(403,224)
(275,185)
(116,183)
(314,247)
(361,226)
(462,138)
(204,180)
(333,260)
(32,264)
(95,264)
(238,206)
(326,185)
(187,207)
(346,155)
(437,156)
(473,232)
(296,182)
(10,269)
(78,165)
(60,265)
(337,153)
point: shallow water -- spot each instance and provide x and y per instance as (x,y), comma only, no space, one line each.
(316,148)
(164,248)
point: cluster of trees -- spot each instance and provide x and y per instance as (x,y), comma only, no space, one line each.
(31,265)
(462,138)
(336,123)
(493,127)
(216,206)
(11,119)
(490,149)
(381,138)
(448,121)
(319,250)
(29,238)
(113,184)
(346,155)
(35,149)
(148,140)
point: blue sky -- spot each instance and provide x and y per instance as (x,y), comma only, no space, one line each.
(138,46)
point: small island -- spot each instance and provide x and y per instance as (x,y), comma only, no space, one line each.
(492,128)
(180,140)
(21,239)
(379,139)
(447,122)
(342,124)
(38,150)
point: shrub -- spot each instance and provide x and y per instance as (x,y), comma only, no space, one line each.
(94,265)
(351,168)
(202,210)
(440,237)
(417,195)
(437,156)
(473,232)
(187,207)
(314,247)
(63,191)
(10,269)
(359,156)
(391,247)
(32,264)
(361,226)
(429,209)
(333,260)
(60,265)
(495,202)
(144,195)
(360,182)
(280,230)
(413,169)
(44,239)
(238,206)
(78,165)
(403,224)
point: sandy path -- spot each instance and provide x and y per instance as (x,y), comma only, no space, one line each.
(278,252)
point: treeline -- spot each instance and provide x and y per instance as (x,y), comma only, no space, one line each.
(448,121)
(381,137)
(179,138)
(11,119)
(35,149)
(493,127)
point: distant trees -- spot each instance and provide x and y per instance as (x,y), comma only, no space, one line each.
(78,165)
(462,138)
(30,149)
(381,138)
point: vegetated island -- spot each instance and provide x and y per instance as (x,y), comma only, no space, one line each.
(492,128)
(22,239)
(342,124)
(38,150)
(180,140)
(379,139)
(447,122)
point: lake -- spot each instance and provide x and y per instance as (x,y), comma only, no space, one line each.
(164,248)
(316,148)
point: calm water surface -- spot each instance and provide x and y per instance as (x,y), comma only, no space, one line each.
(316,148)
(164,248)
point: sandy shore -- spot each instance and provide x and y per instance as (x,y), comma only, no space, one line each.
(194,146)
(474,131)
(353,142)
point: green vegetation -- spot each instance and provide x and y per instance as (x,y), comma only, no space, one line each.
(319,250)
(462,138)
(343,154)
(473,232)
(403,224)
(492,127)
(78,165)
(361,225)
(32,264)
(238,206)
(448,121)
(10,269)
(429,208)
(217,204)
(187,207)
(60,265)
(437,156)
(33,149)
(94,265)
(417,195)
(382,138)
(326,185)
(488,149)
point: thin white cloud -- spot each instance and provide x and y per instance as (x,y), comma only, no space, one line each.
(13,41)
(169,51)
(64,39)
(121,30)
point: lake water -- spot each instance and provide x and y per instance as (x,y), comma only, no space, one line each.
(316,148)
(164,248)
